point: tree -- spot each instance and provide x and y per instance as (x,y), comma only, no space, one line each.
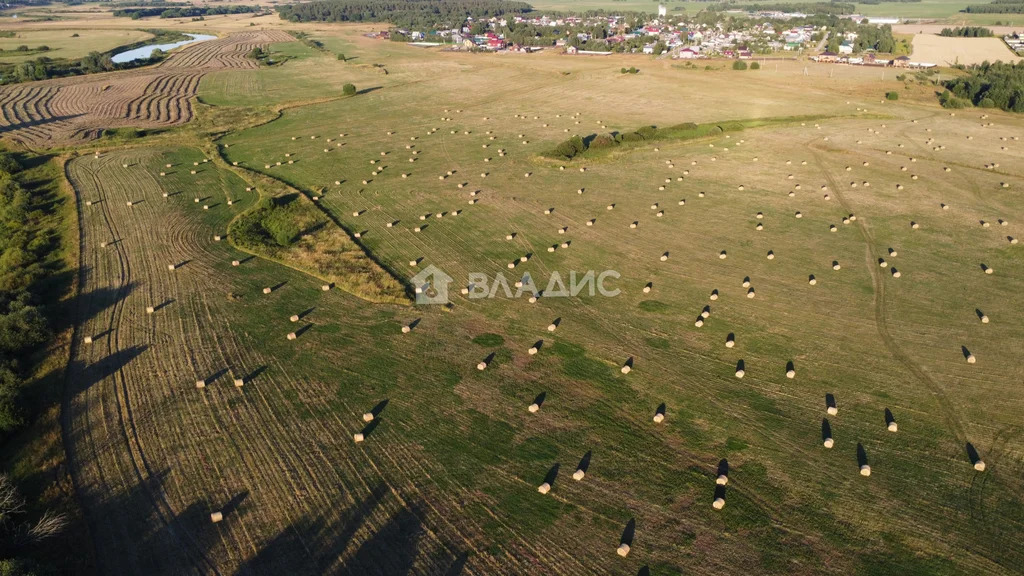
(348,89)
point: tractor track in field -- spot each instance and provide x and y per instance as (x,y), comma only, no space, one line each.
(140,467)
(949,414)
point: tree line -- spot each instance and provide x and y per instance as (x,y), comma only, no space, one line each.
(967,32)
(987,85)
(186,11)
(414,14)
(997,7)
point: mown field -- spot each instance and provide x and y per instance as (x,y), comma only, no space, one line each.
(68,43)
(446,478)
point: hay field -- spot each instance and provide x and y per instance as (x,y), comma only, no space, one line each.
(78,109)
(446,480)
(63,45)
(948,51)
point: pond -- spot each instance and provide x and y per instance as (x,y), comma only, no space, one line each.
(146,51)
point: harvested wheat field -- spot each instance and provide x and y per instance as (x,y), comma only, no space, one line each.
(77,109)
(946,51)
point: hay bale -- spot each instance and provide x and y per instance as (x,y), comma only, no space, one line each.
(740,369)
(533,408)
(358,437)
(544,488)
(664,257)
(714,294)
(239,382)
(88,339)
(979,466)
(987,269)
(832,228)
(482,365)
(895,273)
(150,309)
(216,517)
(292,336)
(623,550)
(699,322)
(722,255)
(730,340)
(235,263)
(267,290)
(659,418)
(128,203)
(865,470)
(200,383)
(746,282)
(578,475)
(718,504)
(647,288)
(828,442)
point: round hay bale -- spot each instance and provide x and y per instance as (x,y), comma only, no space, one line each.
(682,202)
(150,309)
(971,359)
(750,293)
(828,442)
(832,228)
(578,475)
(413,262)
(533,408)
(722,255)
(659,418)
(700,195)
(358,437)
(740,373)
(481,365)
(544,488)
(216,517)
(664,257)
(128,203)
(718,504)
(267,290)
(633,224)
(892,427)
(746,283)
(832,410)
(865,470)
(895,273)
(626,369)
(987,269)
(291,336)
(699,322)
(623,550)
(714,294)
(722,480)
(235,263)
(88,339)
(170,267)
(730,341)
(979,466)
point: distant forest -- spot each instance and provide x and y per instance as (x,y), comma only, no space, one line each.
(997,7)
(183,11)
(401,13)
(997,85)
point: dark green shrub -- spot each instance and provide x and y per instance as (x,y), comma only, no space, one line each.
(602,141)
(892,95)
(348,89)
(739,65)
(755,66)
(647,132)
(987,103)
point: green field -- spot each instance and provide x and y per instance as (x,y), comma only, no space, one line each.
(441,159)
(64,44)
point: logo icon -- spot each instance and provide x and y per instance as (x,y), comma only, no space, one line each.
(431,286)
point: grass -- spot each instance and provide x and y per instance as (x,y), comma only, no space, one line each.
(64,44)
(457,444)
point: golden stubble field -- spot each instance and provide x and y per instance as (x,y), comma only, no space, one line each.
(948,51)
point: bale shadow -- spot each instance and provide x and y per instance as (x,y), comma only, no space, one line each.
(661,409)
(539,400)
(862,455)
(216,375)
(252,375)
(235,502)
(585,461)
(826,429)
(376,410)
(370,427)
(303,330)
(723,467)
(552,474)
(972,453)
(628,533)
(164,304)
